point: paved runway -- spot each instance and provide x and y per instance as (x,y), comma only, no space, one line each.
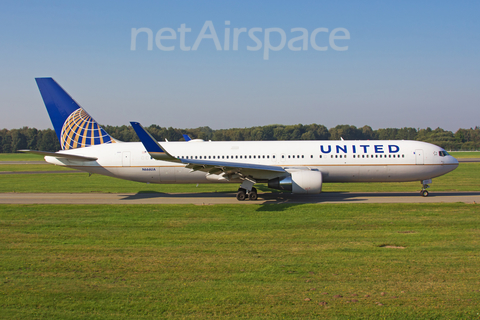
(229,198)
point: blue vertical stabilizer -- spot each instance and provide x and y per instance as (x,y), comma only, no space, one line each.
(74,127)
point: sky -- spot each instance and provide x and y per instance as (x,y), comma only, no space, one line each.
(386,64)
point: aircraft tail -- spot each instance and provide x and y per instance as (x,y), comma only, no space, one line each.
(74,127)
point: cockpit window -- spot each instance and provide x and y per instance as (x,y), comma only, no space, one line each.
(443,153)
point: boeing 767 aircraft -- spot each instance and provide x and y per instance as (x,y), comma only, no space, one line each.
(296,166)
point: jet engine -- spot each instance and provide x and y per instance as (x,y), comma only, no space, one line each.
(301,181)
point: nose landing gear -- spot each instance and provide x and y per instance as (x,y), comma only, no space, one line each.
(425,186)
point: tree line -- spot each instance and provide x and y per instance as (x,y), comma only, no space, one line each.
(46,140)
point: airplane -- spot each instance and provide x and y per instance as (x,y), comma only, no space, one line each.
(300,167)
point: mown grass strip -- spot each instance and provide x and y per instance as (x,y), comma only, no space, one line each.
(465,154)
(234,261)
(20,157)
(31,168)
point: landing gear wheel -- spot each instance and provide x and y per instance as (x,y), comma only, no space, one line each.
(241,194)
(425,186)
(252,195)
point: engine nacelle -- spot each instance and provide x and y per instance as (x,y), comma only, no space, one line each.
(302,181)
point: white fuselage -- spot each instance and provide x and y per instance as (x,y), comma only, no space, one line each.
(338,161)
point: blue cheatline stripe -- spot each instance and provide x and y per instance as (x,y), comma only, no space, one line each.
(148,141)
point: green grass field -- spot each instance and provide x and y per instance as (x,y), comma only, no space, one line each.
(31,167)
(405,261)
(465,154)
(20,157)
(352,261)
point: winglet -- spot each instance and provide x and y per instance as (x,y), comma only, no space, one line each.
(151,145)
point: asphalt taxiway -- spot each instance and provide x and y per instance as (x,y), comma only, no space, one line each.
(229,198)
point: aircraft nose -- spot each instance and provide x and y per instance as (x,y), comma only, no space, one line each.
(453,161)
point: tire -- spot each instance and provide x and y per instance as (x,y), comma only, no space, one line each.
(241,195)
(424,193)
(252,196)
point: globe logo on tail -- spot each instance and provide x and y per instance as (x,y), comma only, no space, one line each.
(80,130)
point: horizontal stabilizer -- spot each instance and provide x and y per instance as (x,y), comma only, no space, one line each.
(60,155)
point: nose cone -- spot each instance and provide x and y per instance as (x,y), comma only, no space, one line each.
(451,162)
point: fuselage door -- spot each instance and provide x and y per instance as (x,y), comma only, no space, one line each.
(418,156)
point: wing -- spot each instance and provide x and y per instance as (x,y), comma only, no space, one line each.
(232,170)
(228,170)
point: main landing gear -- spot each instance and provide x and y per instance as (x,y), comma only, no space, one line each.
(425,186)
(247,190)
(242,194)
